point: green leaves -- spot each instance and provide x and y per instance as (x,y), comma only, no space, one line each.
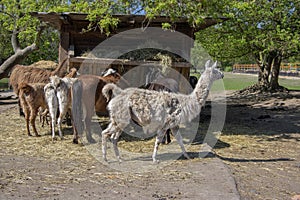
(255,26)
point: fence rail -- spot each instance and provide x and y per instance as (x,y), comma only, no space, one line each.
(286,69)
(254,67)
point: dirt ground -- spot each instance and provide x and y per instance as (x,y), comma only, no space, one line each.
(262,133)
(259,145)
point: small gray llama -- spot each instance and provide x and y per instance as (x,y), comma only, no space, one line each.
(155,111)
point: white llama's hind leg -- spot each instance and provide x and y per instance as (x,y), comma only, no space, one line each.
(59,121)
(107,132)
(178,137)
(63,108)
(114,132)
(115,145)
(53,112)
(62,114)
(53,128)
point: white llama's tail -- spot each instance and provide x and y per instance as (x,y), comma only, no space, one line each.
(77,112)
(110,90)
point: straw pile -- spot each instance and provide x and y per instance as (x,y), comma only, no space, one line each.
(45,64)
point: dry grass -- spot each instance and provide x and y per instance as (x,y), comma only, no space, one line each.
(13,137)
(16,141)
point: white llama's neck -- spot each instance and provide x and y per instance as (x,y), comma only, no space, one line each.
(191,104)
(202,88)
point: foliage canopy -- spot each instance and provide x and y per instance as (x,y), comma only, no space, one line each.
(264,31)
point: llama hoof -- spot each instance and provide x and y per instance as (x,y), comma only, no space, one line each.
(156,162)
(120,160)
(62,138)
(37,135)
(187,156)
(75,141)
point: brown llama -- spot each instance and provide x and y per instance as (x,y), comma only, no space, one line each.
(32,97)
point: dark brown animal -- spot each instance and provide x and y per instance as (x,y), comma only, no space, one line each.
(93,100)
(155,80)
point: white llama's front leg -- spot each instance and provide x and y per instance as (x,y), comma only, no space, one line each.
(158,140)
(178,137)
(104,144)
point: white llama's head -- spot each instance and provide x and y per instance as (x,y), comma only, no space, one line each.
(212,71)
(55,80)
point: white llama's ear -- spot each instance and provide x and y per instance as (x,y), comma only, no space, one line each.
(207,64)
(215,64)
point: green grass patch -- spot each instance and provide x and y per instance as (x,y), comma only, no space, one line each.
(234,81)
(238,81)
(4,83)
(290,83)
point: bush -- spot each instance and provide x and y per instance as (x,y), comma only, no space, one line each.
(228,69)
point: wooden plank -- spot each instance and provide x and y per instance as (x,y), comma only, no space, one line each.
(109,61)
(63,47)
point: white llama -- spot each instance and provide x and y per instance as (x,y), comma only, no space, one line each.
(155,111)
(52,102)
(63,92)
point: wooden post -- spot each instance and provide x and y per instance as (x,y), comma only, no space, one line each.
(63,47)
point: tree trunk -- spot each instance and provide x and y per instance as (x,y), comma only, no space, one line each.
(20,54)
(269,69)
(18,57)
(264,71)
(274,85)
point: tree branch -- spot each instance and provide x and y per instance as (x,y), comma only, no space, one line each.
(6,13)
(15,41)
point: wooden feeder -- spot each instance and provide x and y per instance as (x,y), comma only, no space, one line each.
(74,42)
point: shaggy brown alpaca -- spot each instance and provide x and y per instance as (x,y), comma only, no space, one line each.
(32,97)
(26,74)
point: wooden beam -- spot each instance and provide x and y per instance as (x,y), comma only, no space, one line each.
(64,47)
